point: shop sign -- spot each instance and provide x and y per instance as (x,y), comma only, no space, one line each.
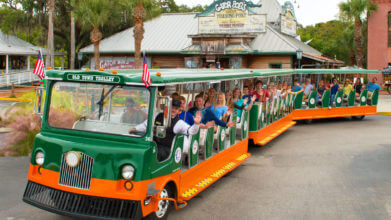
(288,24)
(210,59)
(107,62)
(231,16)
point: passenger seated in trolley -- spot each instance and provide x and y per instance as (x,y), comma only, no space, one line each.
(320,91)
(372,86)
(347,88)
(308,88)
(334,87)
(241,103)
(221,109)
(296,86)
(177,126)
(188,118)
(247,92)
(133,113)
(261,94)
(358,86)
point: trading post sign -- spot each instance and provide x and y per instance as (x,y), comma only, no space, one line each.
(231,16)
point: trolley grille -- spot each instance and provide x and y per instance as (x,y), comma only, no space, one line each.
(72,204)
(79,176)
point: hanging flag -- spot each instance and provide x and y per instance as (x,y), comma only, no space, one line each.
(39,68)
(146,77)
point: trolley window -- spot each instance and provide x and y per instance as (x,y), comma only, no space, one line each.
(101,108)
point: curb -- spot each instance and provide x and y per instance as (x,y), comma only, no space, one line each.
(16,99)
(384,113)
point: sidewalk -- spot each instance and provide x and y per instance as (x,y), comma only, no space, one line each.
(384,103)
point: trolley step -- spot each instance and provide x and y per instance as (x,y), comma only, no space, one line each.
(283,128)
(212,177)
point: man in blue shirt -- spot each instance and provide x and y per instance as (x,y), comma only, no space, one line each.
(372,86)
(296,86)
(208,115)
(187,117)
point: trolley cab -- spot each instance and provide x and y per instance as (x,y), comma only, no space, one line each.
(85,163)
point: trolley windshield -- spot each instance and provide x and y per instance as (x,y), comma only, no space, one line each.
(112,109)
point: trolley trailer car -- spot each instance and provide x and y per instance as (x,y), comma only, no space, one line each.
(85,163)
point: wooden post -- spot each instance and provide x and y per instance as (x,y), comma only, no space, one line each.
(6,63)
(12,90)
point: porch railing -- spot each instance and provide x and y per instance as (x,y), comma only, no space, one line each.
(17,78)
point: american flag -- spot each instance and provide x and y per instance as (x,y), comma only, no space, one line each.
(146,77)
(39,68)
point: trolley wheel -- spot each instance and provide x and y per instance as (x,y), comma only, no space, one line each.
(389,89)
(307,121)
(164,206)
(358,118)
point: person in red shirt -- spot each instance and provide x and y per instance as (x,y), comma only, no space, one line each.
(261,94)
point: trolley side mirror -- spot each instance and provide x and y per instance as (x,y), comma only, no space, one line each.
(39,100)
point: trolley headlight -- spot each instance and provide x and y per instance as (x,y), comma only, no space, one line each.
(73,158)
(39,158)
(127,172)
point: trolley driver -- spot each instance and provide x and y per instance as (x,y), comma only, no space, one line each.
(177,126)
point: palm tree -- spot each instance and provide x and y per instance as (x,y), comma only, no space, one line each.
(50,48)
(95,14)
(140,10)
(355,10)
(138,15)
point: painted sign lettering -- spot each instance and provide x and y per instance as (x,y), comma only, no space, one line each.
(93,78)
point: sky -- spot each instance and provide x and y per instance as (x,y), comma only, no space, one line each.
(309,12)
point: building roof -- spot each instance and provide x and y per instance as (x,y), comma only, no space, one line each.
(12,45)
(273,41)
(272,8)
(167,33)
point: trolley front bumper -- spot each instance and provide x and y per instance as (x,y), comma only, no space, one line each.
(78,205)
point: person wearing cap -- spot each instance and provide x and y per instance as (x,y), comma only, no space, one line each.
(133,113)
(177,126)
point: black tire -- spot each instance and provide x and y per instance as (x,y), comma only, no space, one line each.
(169,189)
(307,121)
(358,118)
(389,89)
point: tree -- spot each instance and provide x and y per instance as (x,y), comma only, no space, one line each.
(332,39)
(94,14)
(355,10)
(138,15)
(50,47)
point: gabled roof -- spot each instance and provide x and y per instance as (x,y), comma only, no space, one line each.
(273,41)
(272,8)
(12,45)
(167,33)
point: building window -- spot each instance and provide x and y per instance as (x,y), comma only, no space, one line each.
(389,29)
(275,65)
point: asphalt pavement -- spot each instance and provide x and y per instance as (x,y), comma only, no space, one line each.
(330,169)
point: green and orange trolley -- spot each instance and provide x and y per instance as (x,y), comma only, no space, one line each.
(85,163)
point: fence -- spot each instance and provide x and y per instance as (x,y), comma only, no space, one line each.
(17,78)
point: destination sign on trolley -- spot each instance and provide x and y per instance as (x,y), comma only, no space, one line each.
(94,78)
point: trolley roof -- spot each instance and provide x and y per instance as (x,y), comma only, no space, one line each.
(335,71)
(161,77)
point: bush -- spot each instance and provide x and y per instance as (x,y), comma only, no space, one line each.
(25,126)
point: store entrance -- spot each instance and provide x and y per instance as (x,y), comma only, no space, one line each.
(216,62)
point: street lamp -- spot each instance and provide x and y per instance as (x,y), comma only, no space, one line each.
(299,56)
(80,58)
